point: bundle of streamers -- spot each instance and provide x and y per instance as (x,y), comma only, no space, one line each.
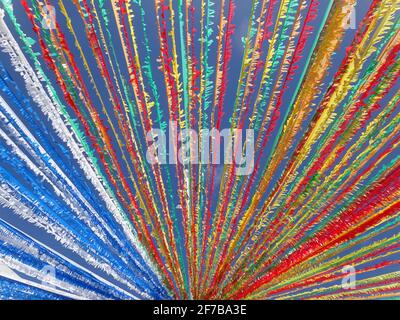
(106,191)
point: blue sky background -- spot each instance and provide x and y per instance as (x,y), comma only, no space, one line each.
(240,21)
